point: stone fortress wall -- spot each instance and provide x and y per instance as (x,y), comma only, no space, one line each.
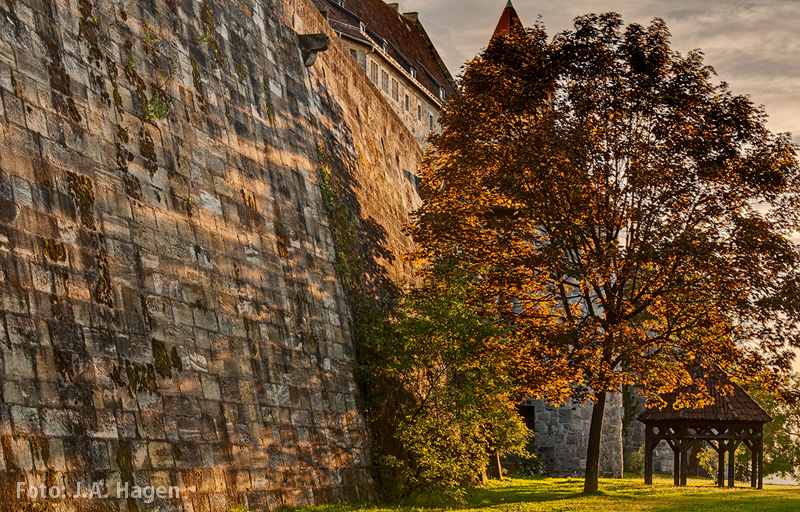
(562,435)
(170,314)
(633,436)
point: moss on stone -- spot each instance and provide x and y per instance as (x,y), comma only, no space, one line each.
(54,250)
(63,362)
(133,187)
(141,377)
(102,291)
(116,376)
(123,134)
(82,192)
(161,357)
(198,85)
(88,27)
(125,462)
(268,99)
(283,240)
(240,71)
(59,82)
(165,360)
(207,18)
(147,148)
(113,74)
(61,311)
(176,360)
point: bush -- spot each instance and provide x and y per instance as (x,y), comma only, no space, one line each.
(532,465)
(636,461)
(440,396)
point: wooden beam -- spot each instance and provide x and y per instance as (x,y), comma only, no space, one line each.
(721,464)
(648,455)
(731,462)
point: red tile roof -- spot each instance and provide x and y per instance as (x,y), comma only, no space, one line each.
(508,21)
(405,38)
(736,406)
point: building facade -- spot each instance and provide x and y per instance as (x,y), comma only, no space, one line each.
(397,55)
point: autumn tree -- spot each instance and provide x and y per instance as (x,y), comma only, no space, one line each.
(633,217)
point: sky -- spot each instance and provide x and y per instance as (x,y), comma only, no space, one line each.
(753,45)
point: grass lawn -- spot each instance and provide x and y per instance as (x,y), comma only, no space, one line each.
(629,494)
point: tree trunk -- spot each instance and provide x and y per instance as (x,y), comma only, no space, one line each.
(593,450)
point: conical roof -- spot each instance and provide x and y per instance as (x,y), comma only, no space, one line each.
(508,21)
(736,406)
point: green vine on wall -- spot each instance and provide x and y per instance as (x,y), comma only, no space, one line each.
(348,261)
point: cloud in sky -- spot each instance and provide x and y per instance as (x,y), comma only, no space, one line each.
(753,45)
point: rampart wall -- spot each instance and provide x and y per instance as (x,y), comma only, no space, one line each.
(170,310)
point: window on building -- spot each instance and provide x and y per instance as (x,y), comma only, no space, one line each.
(413,72)
(362,27)
(395,91)
(384,81)
(431,122)
(441,93)
(373,72)
(528,413)
(408,103)
(419,112)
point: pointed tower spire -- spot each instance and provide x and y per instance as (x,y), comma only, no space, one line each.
(508,21)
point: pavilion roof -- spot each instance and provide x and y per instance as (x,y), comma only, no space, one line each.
(735,406)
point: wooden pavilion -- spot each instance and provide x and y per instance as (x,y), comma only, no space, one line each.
(734,418)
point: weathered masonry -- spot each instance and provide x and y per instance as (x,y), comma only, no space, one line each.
(170,310)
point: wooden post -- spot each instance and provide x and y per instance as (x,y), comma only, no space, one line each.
(731,462)
(676,466)
(760,457)
(684,459)
(648,455)
(753,463)
(721,463)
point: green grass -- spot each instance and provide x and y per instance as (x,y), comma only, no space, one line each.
(629,494)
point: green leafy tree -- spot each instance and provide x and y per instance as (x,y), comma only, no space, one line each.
(781,435)
(441,395)
(631,216)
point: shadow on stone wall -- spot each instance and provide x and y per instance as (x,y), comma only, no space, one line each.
(170,313)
